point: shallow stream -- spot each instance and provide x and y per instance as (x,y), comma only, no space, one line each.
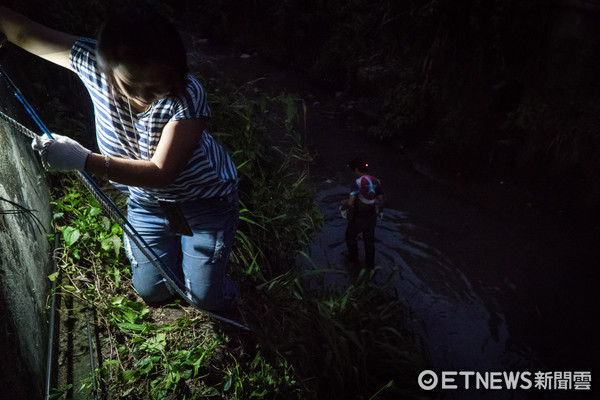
(460,330)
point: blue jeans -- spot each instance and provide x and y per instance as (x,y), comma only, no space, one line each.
(199,260)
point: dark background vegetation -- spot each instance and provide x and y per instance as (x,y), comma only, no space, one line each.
(476,87)
(505,88)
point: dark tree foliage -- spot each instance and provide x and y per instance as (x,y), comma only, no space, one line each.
(500,87)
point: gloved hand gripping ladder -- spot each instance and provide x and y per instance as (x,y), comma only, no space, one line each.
(108,206)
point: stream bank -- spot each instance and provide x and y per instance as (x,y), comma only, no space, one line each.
(528,258)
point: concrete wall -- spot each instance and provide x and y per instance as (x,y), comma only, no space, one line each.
(25,262)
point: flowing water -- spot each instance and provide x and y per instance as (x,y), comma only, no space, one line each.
(461,331)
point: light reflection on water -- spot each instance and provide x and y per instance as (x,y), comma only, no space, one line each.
(460,331)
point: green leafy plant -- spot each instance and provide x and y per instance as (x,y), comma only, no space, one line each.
(278,214)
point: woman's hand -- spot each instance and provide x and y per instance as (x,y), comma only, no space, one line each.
(61,153)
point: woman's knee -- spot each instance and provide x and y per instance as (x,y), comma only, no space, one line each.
(151,290)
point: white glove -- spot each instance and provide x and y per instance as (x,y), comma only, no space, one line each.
(380,216)
(344,213)
(61,154)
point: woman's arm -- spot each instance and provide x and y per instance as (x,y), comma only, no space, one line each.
(47,43)
(177,144)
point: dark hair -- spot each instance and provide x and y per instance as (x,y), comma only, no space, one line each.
(140,38)
(358,163)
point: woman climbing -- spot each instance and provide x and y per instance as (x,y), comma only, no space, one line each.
(150,117)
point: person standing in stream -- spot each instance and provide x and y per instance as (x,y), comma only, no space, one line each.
(150,117)
(363,208)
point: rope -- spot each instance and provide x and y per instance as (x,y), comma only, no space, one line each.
(91,347)
(110,208)
(49,356)
(21,128)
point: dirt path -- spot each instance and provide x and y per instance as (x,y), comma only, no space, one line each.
(531,262)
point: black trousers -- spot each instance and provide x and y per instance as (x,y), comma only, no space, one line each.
(365,225)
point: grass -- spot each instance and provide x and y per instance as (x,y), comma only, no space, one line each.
(334,342)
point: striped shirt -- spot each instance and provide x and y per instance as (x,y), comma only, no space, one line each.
(123,133)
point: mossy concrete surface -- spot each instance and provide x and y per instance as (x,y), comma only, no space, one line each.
(25,263)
